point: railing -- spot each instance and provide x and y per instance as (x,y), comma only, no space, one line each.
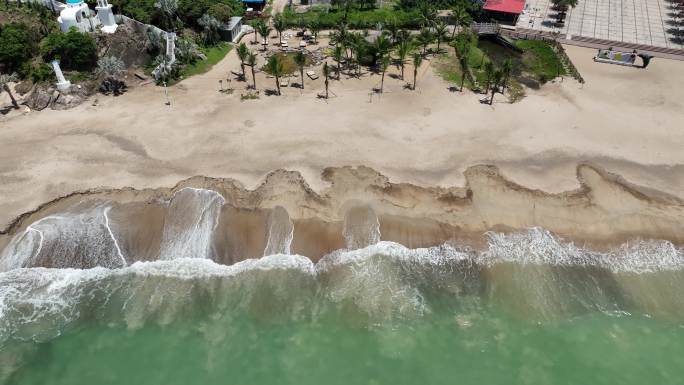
(485,28)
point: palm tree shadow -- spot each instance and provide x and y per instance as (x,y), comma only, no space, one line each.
(270,92)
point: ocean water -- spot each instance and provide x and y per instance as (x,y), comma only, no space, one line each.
(529,309)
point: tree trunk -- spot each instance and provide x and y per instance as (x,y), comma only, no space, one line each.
(242,66)
(253,78)
(402,70)
(255,36)
(14,101)
(301,73)
(338,70)
(326,87)
(491,100)
(462,80)
(382,82)
(439,41)
(278,84)
(415,76)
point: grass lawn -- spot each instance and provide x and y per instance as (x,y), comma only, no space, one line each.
(289,65)
(537,64)
(214,55)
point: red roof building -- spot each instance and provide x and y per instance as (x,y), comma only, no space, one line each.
(505,6)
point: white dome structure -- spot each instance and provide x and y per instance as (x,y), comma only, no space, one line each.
(78,15)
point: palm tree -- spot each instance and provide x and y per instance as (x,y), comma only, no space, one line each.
(417,60)
(252,61)
(264,30)
(242,52)
(379,48)
(256,25)
(489,72)
(403,51)
(300,61)
(441,31)
(275,67)
(279,25)
(464,62)
(5,79)
(337,55)
(424,38)
(326,74)
(461,18)
(506,68)
(392,29)
(428,14)
(497,76)
(315,28)
(384,63)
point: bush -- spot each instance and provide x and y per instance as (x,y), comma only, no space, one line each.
(75,50)
(16,46)
(356,19)
(38,73)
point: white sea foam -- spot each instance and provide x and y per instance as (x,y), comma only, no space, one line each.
(190,223)
(539,246)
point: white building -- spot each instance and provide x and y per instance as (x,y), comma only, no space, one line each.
(78,15)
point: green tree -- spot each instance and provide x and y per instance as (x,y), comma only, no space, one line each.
(300,61)
(242,53)
(74,50)
(337,55)
(403,50)
(211,28)
(252,61)
(5,79)
(441,32)
(315,28)
(424,38)
(489,72)
(384,63)
(465,67)
(264,30)
(16,46)
(497,76)
(461,18)
(275,67)
(279,25)
(506,69)
(326,74)
(168,8)
(417,61)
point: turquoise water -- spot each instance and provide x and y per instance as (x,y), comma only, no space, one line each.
(436,349)
(540,313)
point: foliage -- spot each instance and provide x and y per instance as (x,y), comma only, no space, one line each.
(37,73)
(540,60)
(287,62)
(355,19)
(211,28)
(16,46)
(75,50)
(188,11)
(213,55)
(187,52)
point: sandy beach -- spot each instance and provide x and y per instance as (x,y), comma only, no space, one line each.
(625,120)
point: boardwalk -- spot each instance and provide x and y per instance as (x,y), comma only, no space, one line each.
(649,22)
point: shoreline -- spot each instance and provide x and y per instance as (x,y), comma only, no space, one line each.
(605,212)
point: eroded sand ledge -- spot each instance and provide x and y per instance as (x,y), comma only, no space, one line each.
(606,210)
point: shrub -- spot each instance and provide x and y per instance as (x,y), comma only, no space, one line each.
(16,46)
(75,50)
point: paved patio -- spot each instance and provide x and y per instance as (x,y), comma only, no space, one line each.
(650,22)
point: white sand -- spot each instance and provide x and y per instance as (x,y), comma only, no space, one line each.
(627,120)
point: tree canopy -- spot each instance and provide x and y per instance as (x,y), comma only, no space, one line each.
(16,46)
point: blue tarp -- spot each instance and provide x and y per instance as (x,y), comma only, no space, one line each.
(254,1)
